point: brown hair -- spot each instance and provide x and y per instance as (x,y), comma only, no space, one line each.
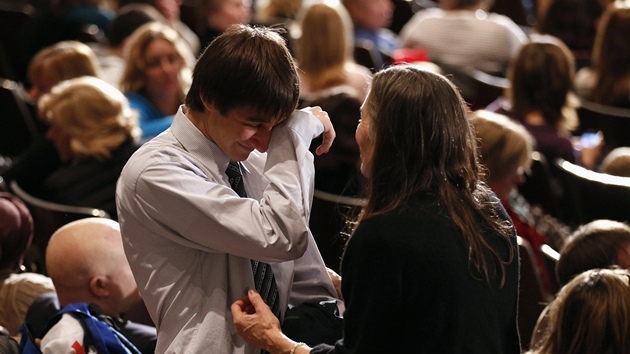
(591,314)
(62,61)
(246,67)
(611,56)
(325,45)
(424,144)
(541,79)
(593,245)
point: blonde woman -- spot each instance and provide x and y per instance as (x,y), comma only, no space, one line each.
(155,79)
(591,314)
(62,61)
(324,53)
(95,133)
(505,149)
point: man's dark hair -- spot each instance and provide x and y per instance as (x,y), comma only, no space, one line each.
(246,67)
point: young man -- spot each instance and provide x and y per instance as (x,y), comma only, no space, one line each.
(192,233)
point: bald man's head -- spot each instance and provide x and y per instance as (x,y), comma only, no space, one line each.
(87,263)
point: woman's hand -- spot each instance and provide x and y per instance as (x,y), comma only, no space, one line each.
(328,136)
(256,323)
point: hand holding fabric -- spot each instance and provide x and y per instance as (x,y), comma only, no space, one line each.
(256,323)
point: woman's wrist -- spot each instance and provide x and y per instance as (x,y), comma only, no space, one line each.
(284,345)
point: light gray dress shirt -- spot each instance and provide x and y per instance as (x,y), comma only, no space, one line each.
(189,237)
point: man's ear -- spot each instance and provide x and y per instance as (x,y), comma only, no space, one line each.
(99,286)
(208,105)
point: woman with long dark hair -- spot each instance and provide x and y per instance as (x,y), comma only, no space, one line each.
(431,266)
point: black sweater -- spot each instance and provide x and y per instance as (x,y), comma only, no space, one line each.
(409,288)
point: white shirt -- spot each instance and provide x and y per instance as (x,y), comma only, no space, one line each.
(189,237)
(465,38)
(65,337)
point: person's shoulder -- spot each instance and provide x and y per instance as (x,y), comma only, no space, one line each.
(409,229)
(429,13)
(418,23)
(505,22)
(148,154)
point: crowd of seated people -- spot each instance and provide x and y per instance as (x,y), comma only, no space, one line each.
(52,65)
(94,132)
(88,129)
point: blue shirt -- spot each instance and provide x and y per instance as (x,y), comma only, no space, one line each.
(152,121)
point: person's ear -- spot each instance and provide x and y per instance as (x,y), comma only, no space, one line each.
(99,286)
(208,105)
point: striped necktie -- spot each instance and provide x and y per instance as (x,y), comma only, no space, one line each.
(264,279)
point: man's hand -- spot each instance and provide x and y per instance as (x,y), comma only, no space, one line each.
(328,136)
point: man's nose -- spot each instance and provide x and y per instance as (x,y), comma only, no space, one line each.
(261,139)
